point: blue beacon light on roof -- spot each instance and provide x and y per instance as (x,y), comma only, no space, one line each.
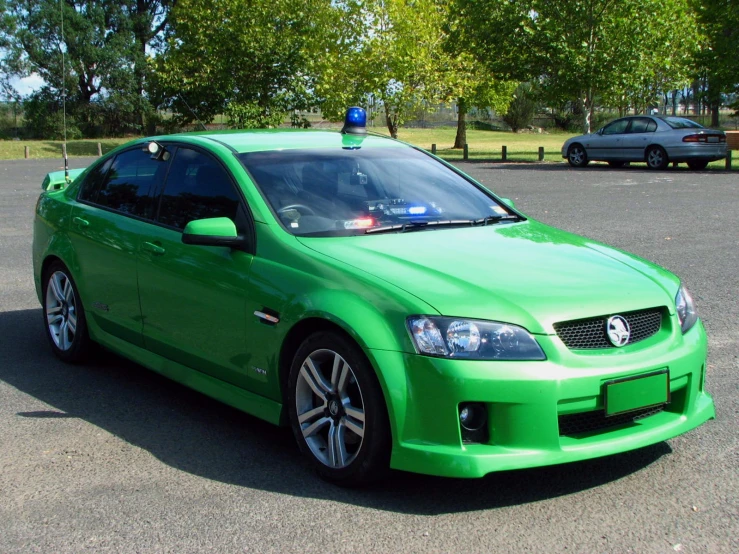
(355,122)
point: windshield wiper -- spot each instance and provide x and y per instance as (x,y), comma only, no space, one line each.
(419,225)
(496,218)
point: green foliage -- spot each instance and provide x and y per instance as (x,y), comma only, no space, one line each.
(248,59)
(624,51)
(522,108)
(44,117)
(384,50)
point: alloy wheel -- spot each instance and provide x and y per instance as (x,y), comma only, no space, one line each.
(61,310)
(330,408)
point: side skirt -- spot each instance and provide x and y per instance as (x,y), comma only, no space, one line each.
(243,400)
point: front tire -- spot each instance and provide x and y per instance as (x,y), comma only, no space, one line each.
(337,411)
(656,158)
(576,155)
(64,316)
(698,164)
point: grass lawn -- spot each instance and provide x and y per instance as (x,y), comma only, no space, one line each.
(483,145)
(14,149)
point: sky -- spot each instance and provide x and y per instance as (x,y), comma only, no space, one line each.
(27,85)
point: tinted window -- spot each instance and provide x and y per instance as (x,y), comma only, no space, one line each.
(128,183)
(197,188)
(642,125)
(616,127)
(93,181)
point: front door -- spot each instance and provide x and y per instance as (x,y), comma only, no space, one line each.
(193,298)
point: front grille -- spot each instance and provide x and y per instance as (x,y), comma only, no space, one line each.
(587,334)
(590,422)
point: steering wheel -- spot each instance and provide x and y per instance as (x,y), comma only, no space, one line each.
(302,208)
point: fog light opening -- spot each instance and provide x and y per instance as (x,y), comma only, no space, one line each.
(473,419)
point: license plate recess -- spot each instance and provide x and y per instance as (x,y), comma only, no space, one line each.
(637,392)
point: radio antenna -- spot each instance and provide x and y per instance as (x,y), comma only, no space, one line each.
(192,112)
(64,96)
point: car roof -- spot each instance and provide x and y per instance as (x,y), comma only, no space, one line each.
(258,140)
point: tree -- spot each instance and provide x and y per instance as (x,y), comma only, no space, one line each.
(577,49)
(251,64)
(392,52)
(718,57)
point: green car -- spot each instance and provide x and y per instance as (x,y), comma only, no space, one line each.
(388,308)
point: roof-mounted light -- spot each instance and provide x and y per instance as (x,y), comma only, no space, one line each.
(355,122)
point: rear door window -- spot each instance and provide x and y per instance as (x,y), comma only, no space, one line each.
(93,181)
(642,125)
(132,177)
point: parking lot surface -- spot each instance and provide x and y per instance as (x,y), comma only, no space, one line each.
(110,457)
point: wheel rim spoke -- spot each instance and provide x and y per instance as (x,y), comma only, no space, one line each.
(68,293)
(72,323)
(354,413)
(56,287)
(315,387)
(319,379)
(336,448)
(63,339)
(354,427)
(316,426)
(55,319)
(310,414)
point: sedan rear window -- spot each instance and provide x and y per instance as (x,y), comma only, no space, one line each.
(682,123)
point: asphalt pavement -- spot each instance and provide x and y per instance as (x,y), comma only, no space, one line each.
(110,457)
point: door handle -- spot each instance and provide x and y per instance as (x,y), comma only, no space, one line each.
(79,222)
(153,248)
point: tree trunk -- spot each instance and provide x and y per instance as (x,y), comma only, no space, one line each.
(674,103)
(392,122)
(461,139)
(587,112)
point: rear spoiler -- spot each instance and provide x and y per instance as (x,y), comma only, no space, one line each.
(57,181)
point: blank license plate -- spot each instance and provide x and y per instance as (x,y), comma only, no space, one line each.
(712,139)
(634,393)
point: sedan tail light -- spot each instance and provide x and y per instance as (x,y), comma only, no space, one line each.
(704,138)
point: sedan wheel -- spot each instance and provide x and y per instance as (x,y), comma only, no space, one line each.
(64,317)
(337,411)
(577,156)
(657,158)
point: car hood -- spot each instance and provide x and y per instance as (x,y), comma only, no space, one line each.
(525,273)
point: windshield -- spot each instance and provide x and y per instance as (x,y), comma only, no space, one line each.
(682,123)
(334,192)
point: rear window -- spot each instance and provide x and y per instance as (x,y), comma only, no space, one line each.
(682,123)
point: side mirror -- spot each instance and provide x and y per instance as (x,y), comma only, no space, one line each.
(508,202)
(215,231)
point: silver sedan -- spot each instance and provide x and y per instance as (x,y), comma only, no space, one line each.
(651,139)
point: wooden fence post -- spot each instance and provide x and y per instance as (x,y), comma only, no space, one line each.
(64,151)
(728,159)
(466,153)
(433,149)
(541,153)
(504,153)
(100,149)
(27,152)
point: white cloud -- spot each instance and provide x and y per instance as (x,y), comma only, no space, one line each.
(27,85)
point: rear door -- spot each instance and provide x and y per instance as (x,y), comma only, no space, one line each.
(193,298)
(639,135)
(113,209)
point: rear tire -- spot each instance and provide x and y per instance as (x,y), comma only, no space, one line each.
(64,316)
(656,158)
(337,411)
(698,164)
(576,155)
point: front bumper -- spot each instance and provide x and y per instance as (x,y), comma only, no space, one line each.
(525,401)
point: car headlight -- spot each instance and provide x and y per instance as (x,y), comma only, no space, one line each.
(451,337)
(685,309)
